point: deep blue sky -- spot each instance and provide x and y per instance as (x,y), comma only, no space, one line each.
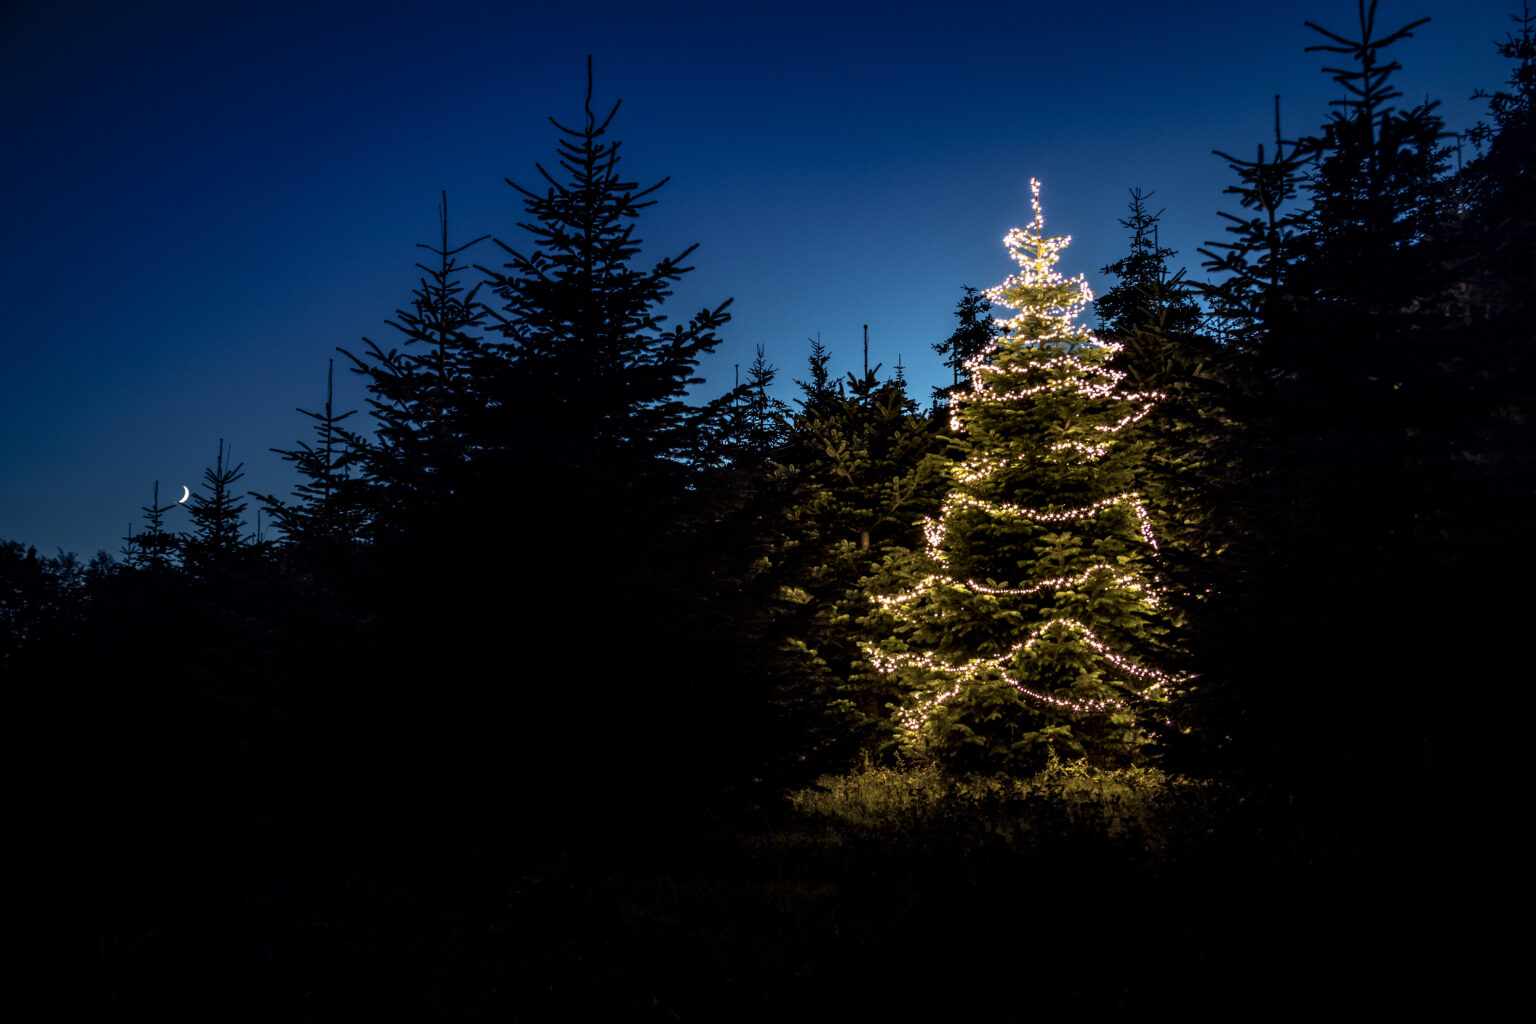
(205,199)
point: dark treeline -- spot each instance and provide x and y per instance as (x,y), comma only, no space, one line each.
(536,572)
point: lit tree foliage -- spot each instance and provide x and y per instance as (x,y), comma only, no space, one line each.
(1033,619)
(867,468)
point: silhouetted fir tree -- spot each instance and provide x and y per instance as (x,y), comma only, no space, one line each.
(1132,301)
(869,451)
(1183,448)
(821,390)
(427,399)
(1360,370)
(1254,268)
(218,518)
(1492,250)
(1474,460)
(153,547)
(763,419)
(556,575)
(42,602)
(1500,192)
(327,509)
(594,386)
(1348,408)
(974,332)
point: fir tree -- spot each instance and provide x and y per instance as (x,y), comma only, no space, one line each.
(859,470)
(1183,449)
(1352,404)
(570,546)
(593,387)
(428,400)
(326,509)
(42,602)
(764,419)
(874,458)
(1255,267)
(975,331)
(154,547)
(820,391)
(217,518)
(1033,618)
(1500,193)
(1145,292)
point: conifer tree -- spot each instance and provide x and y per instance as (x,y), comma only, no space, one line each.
(428,400)
(1352,405)
(1033,619)
(764,418)
(1145,291)
(874,458)
(860,468)
(592,390)
(1500,248)
(974,332)
(820,391)
(152,548)
(217,517)
(1182,449)
(326,509)
(1255,266)
(577,518)
(42,602)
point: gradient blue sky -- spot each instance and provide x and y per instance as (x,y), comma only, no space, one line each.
(205,199)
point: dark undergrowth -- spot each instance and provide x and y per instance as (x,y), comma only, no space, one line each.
(892,892)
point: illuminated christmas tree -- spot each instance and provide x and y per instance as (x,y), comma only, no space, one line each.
(1032,621)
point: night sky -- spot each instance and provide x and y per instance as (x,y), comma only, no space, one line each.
(205,199)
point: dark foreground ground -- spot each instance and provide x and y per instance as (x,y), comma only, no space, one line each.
(168,901)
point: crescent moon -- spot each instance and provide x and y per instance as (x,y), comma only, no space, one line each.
(186,492)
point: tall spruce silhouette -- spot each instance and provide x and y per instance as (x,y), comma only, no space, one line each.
(975,330)
(594,385)
(153,547)
(572,567)
(426,399)
(1332,285)
(1183,446)
(326,508)
(1500,191)
(218,521)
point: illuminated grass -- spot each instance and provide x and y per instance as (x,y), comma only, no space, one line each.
(1066,800)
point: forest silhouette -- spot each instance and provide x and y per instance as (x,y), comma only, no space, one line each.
(545,690)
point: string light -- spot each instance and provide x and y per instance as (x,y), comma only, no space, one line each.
(1128,580)
(1042,352)
(956,500)
(970,670)
(1083,448)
